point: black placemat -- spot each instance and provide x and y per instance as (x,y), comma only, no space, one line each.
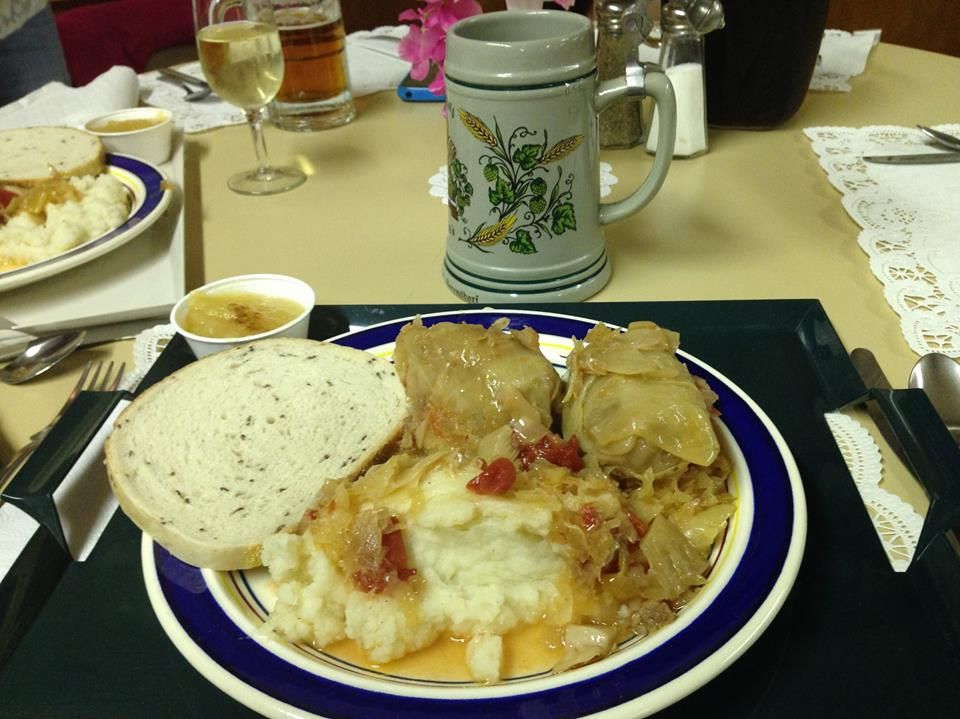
(854,638)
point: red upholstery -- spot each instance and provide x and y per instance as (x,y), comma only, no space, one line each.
(121,32)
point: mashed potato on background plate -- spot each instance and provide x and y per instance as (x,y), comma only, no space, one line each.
(26,238)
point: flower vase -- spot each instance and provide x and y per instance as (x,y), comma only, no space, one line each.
(524,4)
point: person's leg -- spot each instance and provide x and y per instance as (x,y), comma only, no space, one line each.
(31,57)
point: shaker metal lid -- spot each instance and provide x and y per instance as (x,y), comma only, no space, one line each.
(520,49)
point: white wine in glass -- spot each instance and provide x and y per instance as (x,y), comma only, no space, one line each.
(239,48)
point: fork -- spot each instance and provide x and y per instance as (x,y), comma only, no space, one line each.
(88,382)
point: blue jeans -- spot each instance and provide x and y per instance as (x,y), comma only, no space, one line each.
(31,57)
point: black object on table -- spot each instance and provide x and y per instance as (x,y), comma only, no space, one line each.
(854,638)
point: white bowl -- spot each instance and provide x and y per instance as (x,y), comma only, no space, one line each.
(280,286)
(153,143)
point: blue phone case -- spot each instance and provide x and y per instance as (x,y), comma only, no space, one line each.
(412,93)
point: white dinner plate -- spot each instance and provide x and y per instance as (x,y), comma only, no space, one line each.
(214,618)
(150,194)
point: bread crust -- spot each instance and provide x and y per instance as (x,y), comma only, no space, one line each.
(178,487)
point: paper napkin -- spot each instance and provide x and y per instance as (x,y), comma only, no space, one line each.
(57,104)
(84,501)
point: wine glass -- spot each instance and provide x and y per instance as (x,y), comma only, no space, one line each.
(239,47)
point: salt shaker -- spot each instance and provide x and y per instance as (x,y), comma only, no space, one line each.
(622,26)
(683,23)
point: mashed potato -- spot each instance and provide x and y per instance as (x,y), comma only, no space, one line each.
(27,238)
(561,549)
(485,565)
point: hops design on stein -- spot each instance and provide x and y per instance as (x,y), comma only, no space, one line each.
(459,189)
(527,209)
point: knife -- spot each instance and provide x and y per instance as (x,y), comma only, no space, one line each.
(872,376)
(926,158)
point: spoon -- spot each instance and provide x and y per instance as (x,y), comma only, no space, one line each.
(39,356)
(939,376)
(193,95)
(941,138)
(187,82)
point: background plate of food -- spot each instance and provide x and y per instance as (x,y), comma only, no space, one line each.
(89,204)
(611,586)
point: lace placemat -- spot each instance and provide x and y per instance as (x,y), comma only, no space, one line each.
(897,523)
(911,220)
(842,55)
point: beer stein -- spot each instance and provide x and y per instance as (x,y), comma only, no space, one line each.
(315,94)
(525,215)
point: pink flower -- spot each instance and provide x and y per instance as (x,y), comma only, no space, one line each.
(426,44)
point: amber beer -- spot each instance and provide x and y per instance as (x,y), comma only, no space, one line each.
(315,93)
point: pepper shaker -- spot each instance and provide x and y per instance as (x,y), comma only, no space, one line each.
(683,24)
(622,26)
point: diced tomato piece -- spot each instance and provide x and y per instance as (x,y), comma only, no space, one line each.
(496,478)
(396,554)
(638,524)
(392,564)
(554,450)
(370,582)
(5,197)
(590,517)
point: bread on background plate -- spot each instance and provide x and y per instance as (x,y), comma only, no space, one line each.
(234,447)
(30,155)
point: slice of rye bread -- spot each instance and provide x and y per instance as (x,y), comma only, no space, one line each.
(32,154)
(236,446)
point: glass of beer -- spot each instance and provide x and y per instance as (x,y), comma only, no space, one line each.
(239,47)
(315,94)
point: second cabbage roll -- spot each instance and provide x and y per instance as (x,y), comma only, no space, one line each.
(635,406)
(465,381)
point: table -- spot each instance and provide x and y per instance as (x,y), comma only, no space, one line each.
(753,218)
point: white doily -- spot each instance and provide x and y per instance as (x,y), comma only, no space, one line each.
(438,182)
(911,220)
(197,116)
(897,523)
(146,348)
(842,55)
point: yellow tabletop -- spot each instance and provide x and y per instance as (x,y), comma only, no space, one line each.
(754,218)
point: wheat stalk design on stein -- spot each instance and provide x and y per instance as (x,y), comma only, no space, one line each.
(492,235)
(561,149)
(478,129)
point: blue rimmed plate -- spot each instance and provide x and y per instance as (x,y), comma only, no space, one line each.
(149,197)
(213,618)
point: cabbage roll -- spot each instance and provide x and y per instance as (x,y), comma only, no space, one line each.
(634,406)
(465,381)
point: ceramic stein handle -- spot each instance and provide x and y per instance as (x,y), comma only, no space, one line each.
(641,80)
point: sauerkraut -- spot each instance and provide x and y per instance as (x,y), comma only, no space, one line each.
(489,519)
(58,215)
